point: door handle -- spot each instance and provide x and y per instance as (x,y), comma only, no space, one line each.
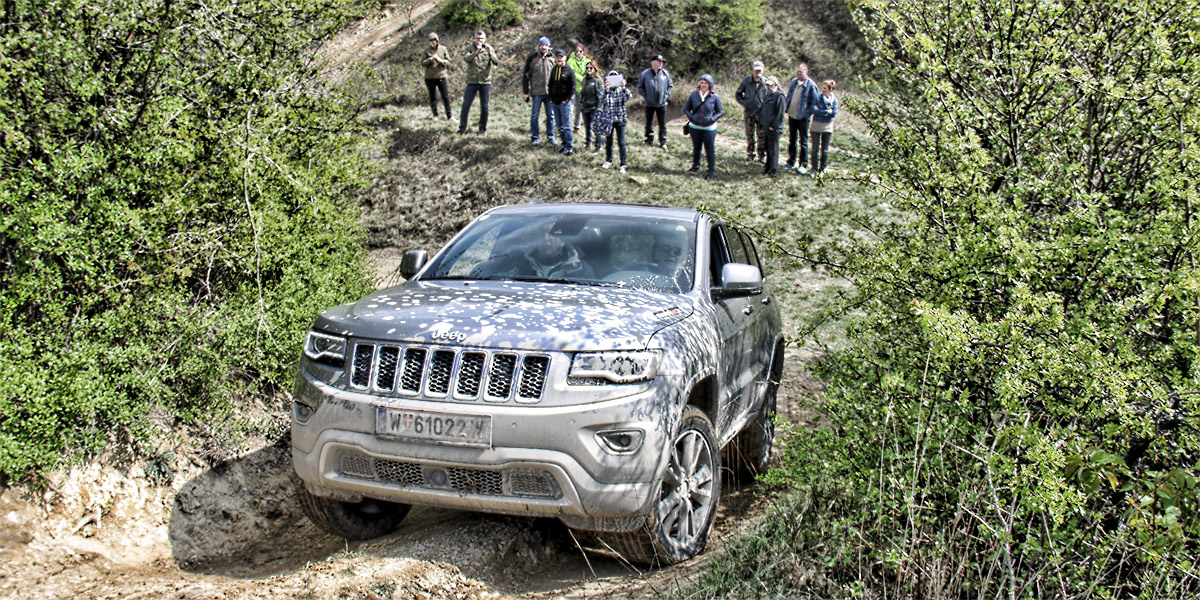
(749,309)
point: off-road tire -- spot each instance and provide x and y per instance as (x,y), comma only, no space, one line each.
(694,470)
(352,520)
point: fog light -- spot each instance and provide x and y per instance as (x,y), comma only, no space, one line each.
(302,411)
(622,441)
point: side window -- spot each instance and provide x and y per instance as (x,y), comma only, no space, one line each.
(751,251)
(718,253)
(737,250)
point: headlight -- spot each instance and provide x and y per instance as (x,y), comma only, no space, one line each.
(618,367)
(325,348)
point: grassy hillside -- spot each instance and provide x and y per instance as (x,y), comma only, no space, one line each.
(431,181)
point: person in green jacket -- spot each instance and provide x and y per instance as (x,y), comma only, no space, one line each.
(480,58)
(437,59)
(578,61)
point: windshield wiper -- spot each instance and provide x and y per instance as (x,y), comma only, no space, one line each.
(563,280)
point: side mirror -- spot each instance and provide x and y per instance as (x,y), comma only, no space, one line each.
(739,280)
(411,262)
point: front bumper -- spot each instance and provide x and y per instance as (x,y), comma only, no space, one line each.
(542,460)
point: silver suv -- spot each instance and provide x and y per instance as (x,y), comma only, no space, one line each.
(581,361)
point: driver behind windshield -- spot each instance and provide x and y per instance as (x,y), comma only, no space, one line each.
(552,257)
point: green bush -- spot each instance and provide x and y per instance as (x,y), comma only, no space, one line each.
(173,213)
(696,36)
(1018,414)
(481,14)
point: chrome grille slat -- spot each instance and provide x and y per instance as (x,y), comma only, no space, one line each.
(440,368)
(500,376)
(442,371)
(414,368)
(470,374)
(533,377)
(364,356)
(385,379)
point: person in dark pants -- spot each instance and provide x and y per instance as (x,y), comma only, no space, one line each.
(825,109)
(801,94)
(614,103)
(535,79)
(437,59)
(703,109)
(590,96)
(561,90)
(655,88)
(480,59)
(771,117)
(750,95)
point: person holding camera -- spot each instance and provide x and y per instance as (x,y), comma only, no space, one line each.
(615,98)
(437,60)
(480,59)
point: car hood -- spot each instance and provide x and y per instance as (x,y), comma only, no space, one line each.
(490,314)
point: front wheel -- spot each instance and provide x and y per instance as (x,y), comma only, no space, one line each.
(687,499)
(363,520)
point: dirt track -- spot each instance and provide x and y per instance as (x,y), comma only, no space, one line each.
(236,531)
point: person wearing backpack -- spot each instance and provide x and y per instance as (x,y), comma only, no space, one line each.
(614,117)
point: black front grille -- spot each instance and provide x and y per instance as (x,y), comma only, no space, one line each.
(531,483)
(440,372)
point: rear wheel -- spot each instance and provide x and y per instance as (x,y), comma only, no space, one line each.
(363,520)
(687,499)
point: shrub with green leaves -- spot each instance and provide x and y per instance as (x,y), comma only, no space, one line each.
(173,212)
(696,36)
(475,14)
(1019,415)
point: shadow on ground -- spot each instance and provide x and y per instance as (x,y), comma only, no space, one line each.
(241,519)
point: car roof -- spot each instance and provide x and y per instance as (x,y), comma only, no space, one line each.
(598,208)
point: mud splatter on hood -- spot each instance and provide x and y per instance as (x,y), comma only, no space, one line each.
(496,314)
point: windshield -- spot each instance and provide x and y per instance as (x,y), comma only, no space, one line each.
(646,253)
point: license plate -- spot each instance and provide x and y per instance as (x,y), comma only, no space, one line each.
(435,427)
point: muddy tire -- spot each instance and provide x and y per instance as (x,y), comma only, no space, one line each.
(352,520)
(688,494)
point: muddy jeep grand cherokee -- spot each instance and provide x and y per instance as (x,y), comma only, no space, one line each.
(580,361)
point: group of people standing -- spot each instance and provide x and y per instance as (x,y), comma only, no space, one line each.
(809,110)
(555,83)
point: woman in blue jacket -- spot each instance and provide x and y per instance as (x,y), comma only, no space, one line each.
(824,109)
(703,109)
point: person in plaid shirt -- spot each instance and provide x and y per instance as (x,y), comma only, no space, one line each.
(614,101)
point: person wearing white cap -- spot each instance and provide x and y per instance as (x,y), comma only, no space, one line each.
(772,114)
(750,95)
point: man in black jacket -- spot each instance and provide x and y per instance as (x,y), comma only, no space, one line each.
(561,88)
(750,95)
